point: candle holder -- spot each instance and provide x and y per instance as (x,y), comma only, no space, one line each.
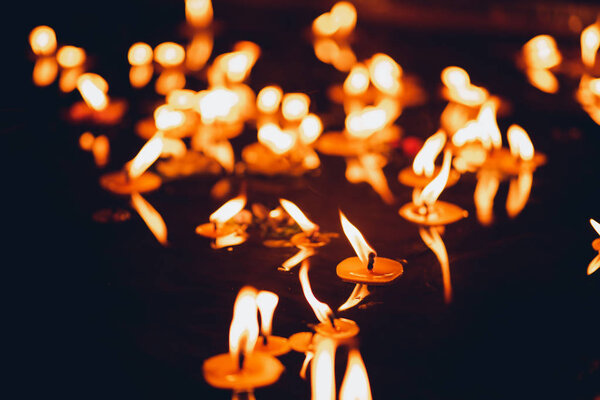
(257,370)
(119,182)
(379,271)
(337,328)
(272,345)
(301,341)
(438,214)
(409,178)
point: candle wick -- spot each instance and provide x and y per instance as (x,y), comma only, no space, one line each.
(332,320)
(265,339)
(241,359)
(371,262)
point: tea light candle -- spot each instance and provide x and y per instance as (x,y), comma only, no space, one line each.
(310,235)
(218,227)
(273,345)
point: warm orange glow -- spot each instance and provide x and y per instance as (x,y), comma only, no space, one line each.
(358,294)
(169,54)
(86,141)
(217,105)
(355,385)
(228,210)
(243,332)
(199,51)
(268,99)
(181,99)
(454,117)
(140,53)
(140,75)
(541,52)
(324,25)
(294,106)
(432,191)
(385,74)
(322,374)
(173,147)
(595,263)
(345,59)
(326,49)
(101,151)
(433,240)
(460,89)
(70,56)
(368,168)
(518,193)
(145,157)
(321,310)
(357,240)
(166,117)
(297,258)
(232,239)
(424,162)
(169,80)
(199,13)
(93,89)
(590,42)
(595,225)
(310,129)
(68,79)
(266,302)
(357,81)
(519,142)
(343,14)
(362,124)
(594,85)
(542,79)
(151,217)
(487,124)
(485,191)
(468,133)
(45,71)
(222,152)
(42,40)
(297,215)
(277,140)
(237,64)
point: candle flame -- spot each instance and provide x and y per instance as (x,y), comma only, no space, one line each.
(86,141)
(140,53)
(595,225)
(169,79)
(232,239)
(268,99)
(199,13)
(93,89)
(541,52)
(323,370)
(277,140)
(542,79)
(294,106)
(433,240)
(228,210)
(518,193)
(151,217)
(385,74)
(167,117)
(222,152)
(310,129)
(45,71)
(243,332)
(266,302)
(590,42)
(430,193)
(487,124)
(340,20)
(423,163)
(173,147)
(199,51)
(357,81)
(357,240)
(42,40)
(355,385)
(359,293)
(297,215)
(321,310)
(460,89)
(368,168)
(363,123)
(101,150)
(181,99)
(236,65)
(169,54)
(145,157)
(70,56)
(68,79)
(297,258)
(519,142)
(485,191)
(218,105)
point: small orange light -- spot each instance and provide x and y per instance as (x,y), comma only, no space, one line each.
(140,53)
(310,128)
(42,40)
(169,54)
(45,71)
(70,56)
(294,106)
(86,141)
(268,99)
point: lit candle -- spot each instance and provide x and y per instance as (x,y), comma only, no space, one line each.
(151,217)
(42,40)
(222,226)
(355,385)
(323,370)
(270,344)
(310,235)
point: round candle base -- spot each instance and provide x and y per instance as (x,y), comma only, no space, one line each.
(301,341)
(276,346)
(260,160)
(316,240)
(344,329)
(338,144)
(384,271)
(596,244)
(502,160)
(407,177)
(259,370)
(117,182)
(210,230)
(442,213)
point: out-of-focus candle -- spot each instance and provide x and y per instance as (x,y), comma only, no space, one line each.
(268,99)
(42,40)
(70,56)
(140,53)
(199,13)
(294,106)
(590,42)
(93,89)
(169,54)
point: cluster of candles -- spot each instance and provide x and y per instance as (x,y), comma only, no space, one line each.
(192,131)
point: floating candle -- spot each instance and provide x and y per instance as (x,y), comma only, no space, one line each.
(218,225)
(273,345)
(310,235)
(140,53)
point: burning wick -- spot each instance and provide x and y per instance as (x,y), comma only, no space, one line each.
(221,227)
(367,268)
(310,236)
(273,345)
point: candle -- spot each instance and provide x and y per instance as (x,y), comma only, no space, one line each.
(367,267)
(273,345)
(151,217)
(323,370)
(310,235)
(42,40)
(220,224)
(355,385)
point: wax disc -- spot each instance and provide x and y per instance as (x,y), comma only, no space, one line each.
(260,160)
(118,183)
(344,329)
(407,177)
(442,214)
(502,160)
(337,144)
(301,341)
(276,346)
(318,240)
(259,370)
(209,230)
(385,270)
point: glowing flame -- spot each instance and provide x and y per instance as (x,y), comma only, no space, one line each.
(140,53)
(326,50)
(355,385)
(590,42)
(45,71)
(485,191)
(460,89)
(86,141)
(217,105)
(321,310)
(343,14)
(425,158)
(146,156)
(266,302)
(432,191)
(323,370)
(243,332)
(468,133)
(385,74)
(324,25)
(519,142)
(236,65)
(42,40)
(228,210)
(433,240)
(140,75)
(173,147)
(541,52)
(594,86)
(297,258)
(595,263)
(70,56)
(169,54)
(93,89)
(518,193)
(595,225)
(268,99)
(278,141)
(294,106)
(487,124)
(357,81)
(151,217)
(181,99)
(101,150)
(166,117)
(358,294)
(199,51)
(362,124)
(297,215)
(232,239)
(542,79)
(310,129)
(308,356)
(169,80)
(199,13)
(68,79)
(357,240)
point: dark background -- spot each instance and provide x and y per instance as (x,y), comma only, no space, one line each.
(100,311)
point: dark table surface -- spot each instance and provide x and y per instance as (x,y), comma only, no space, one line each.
(104,311)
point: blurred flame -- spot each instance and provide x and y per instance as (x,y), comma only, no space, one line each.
(169,54)
(308,356)
(294,106)
(101,151)
(324,25)
(355,385)
(541,52)
(310,129)
(432,191)
(151,217)
(70,56)
(68,79)
(243,331)
(487,124)
(199,13)
(321,310)
(217,104)
(424,162)
(323,370)
(222,152)
(362,124)
(45,71)
(277,140)
(518,193)
(266,302)
(519,142)
(42,40)
(357,240)
(86,141)
(385,74)
(140,75)
(460,89)
(590,42)
(359,293)
(542,79)
(594,85)
(297,215)
(146,156)
(468,133)
(357,81)
(199,51)
(595,225)
(297,258)
(93,89)
(173,147)
(326,50)
(236,65)
(485,191)
(268,99)
(343,14)
(232,239)
(368,168)
(228,210)
(140,53)
(166,117)
(169,80)
(433,240)
(181,99)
